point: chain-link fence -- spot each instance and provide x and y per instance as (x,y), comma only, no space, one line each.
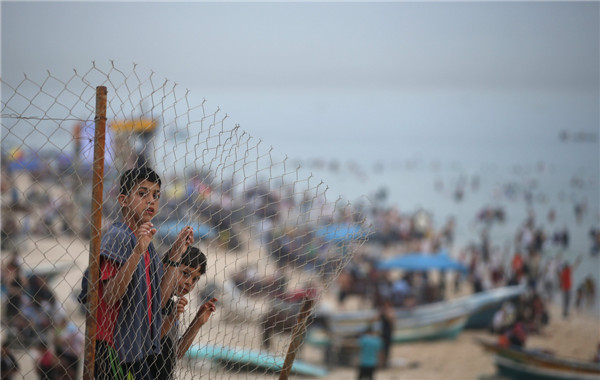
(273,238)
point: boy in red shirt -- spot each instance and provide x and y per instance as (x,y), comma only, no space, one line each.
(132,280)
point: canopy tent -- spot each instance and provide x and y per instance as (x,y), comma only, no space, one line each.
(419,261)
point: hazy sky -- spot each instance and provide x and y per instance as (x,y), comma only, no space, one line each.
(278,64)
(391,44)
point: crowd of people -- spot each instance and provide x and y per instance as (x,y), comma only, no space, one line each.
(34,320)
(536,260)
(519,318)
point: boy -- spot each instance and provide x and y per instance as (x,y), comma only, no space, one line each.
(132,280)
(192,266)
(370,347)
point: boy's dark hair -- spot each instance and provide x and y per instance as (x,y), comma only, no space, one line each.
(193,257)
(136,175)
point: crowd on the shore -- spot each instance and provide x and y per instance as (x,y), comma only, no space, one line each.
(535,261)
(286,225)
(34,319)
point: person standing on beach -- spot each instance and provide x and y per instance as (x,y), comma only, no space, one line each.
(9,367)
(549,276)
(132,280)
(192,267)
(69,345)
(14,283)
(387,318)
(566,283)
(47,364)
(370,350)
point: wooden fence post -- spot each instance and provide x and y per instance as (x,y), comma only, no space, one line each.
(96,226)
(297,336)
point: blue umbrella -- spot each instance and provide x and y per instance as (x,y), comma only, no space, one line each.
(420,261)
(168,231)
(341,232)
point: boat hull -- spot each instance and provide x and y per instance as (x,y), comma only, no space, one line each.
(539,363)
(445,329)
(516,370)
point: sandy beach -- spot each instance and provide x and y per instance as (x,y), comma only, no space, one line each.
(460,358)
(463,359)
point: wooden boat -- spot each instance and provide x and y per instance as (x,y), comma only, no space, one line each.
(485,304)
(446,328)
(481,306)
(236,357)
(512,369)
(410,325)
(545,365)
(438,320)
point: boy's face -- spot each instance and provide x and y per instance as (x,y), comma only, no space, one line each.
(141,204)
(187,278)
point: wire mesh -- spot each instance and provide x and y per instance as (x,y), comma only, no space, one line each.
(272,235)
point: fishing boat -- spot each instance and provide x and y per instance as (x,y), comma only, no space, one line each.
(437,320)
(516,370)
(410,325)
(338,334)
(485,304)
(518,363)
(482,305)
(448,327)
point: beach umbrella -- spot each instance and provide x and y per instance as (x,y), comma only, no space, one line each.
(419,261)
(341,232)
(167,232)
